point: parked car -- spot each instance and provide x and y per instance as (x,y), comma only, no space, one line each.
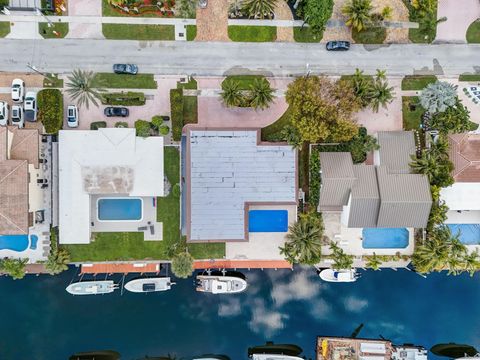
(17,116)
(129,69)
(18,90)
(112,111)
(4,109)
(72,116)
(30,106)
(338,45)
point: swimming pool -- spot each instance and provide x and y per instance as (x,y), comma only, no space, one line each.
(119,209)
(267,220)
(385,238)
(469,233)
(18,242)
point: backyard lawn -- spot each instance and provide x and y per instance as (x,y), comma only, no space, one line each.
(4,28)
(473,32)
(131,246)
(417,82)
(138,32)
(252,33)
(123,81)
(273,131)
(190,110)
(306,35)
(373,35)
(48,32)
(412,112)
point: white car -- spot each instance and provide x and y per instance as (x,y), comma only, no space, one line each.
(72,116)
(30,106)
(17,116)
(4,107)
(18,90)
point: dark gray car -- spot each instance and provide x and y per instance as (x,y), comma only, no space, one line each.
(129,69)
(112,111)
(338,45)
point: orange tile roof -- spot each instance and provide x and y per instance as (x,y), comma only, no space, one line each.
(465,155)
(242,264)
(121,268)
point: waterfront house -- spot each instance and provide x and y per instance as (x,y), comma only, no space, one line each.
(463,197)
(374,208)
(109,180)
(25,193)
(238,190)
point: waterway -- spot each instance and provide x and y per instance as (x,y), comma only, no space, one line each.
(39,320)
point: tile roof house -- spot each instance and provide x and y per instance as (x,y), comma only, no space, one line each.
(19,148)
(382,195)
(226,172)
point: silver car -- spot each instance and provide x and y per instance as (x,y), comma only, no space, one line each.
(72,116)
(4,109)
(18,90)
(17,116)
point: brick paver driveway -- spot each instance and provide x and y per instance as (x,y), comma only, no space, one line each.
(460,14)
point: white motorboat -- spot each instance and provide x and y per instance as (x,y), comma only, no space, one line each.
(220,284)
(275,357)
(92,287)
(332,275)
(149,284)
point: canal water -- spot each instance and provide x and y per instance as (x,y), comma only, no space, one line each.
(39,320)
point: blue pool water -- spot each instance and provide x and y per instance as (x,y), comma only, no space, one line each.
(33,241)
(268,221)
(385,238)
(118,209)
(14,242)
(469,233)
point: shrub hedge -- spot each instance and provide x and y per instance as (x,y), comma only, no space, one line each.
(176,109)
(121,124)
(50,109)
(129,98)
(97,125)
(314,183)
(142,128)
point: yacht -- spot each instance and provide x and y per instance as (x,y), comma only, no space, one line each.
(221,283)
(332,275)
(271,351)
(145,285)
(92,287)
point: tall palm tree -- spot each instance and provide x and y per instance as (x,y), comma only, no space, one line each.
(83,89)
(471,262)
(261,93)
(381,74)
(425,164)
(374,262)
(304,241)
(57,261)
(432,255)
(182,265)
(359,13)
(362,86)
(341,261)
(259,9)
(380,95)
(231,93)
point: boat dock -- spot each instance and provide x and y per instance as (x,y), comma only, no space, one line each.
(120,268)
(242,264)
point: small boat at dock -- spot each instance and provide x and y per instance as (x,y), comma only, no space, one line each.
(145,285)
(331,275)
(92,287)
(221,283)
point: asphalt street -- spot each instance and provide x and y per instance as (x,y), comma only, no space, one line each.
(217,58)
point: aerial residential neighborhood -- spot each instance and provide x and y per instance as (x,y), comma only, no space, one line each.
(272,179)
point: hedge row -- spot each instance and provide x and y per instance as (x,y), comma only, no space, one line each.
(50,113)
(129,98)
(176,108)
(314,183)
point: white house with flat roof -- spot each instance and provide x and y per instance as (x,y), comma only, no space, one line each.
(109,162)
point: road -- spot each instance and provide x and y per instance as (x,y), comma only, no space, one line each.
(215,59)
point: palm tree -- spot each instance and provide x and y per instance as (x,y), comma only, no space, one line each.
(259,9)
(182,265)
(361,86)
(341,261)
(374,262)
(432,255)
(471,262)
(83,89)
(380,95)
(425,164)
(14,267)
(304,240)
(381,74)
(231,93)
(57,262)
(291,136)
(359,13)
(261,93)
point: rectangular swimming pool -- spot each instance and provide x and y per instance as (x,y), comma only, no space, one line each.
(385,238)
(119,209)
(469,234)
(267,220)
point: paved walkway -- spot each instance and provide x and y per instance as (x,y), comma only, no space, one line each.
(460,14)
(84,19)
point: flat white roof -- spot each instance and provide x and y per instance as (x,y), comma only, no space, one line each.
(104,161)
(462,196)
(227,169)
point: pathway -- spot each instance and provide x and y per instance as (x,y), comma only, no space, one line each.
(460,14)
(212,22)
(283,12)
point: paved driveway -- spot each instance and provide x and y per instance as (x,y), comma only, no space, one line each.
(84,7)
(460,14)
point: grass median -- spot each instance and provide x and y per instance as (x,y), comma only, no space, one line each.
(138,32)
(123,81)
(252,33)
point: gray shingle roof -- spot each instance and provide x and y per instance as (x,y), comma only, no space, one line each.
(396,147)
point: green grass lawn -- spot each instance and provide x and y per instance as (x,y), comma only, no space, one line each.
(252,33)
(47,32)
(417,82)
(190,85)
(138,32)
(424,33)
(131,246)
(191,32)
(273,131)
(473,33)
(244,81)
(123,81)
(306,35)
(469,77)
(190,110)
(412,112)
(373,35)
(4,28)
(53,82)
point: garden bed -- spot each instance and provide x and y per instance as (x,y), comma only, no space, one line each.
(252,33)
(412,112)
(50,109)
(148,10)
(123,81)
(124,98)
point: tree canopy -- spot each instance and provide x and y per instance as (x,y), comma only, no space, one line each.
(317,14)
(438,97)
(455,119)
